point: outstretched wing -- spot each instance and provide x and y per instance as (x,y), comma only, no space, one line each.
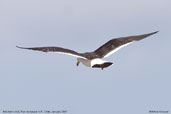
(55,49)
(115,44)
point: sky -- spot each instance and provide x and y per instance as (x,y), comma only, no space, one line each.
(137,82)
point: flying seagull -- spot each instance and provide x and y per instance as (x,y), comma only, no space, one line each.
(94,59)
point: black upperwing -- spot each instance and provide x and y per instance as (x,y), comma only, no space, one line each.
(54,49)
(116,43)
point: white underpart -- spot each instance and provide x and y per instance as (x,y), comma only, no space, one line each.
(71,55)
(97,61)
(115,50)
(90,63)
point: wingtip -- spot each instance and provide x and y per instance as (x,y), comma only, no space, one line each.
(155,32)
(20,47)
(152,33)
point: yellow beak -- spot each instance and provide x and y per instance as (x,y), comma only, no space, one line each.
(78,62)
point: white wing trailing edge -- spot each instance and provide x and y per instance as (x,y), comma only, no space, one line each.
(117,49)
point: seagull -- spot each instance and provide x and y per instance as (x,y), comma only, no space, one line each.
(95,59)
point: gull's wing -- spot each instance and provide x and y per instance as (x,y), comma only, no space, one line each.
(115,44)
(55,49)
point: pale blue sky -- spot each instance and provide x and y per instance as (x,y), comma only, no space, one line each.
(138,81)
